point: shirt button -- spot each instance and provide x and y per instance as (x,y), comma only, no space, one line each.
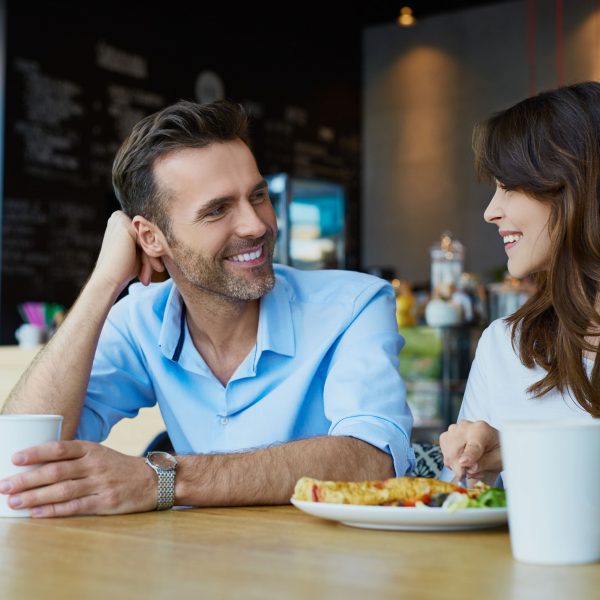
(223,420)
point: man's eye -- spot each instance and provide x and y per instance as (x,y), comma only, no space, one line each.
(217,212)
(260,197)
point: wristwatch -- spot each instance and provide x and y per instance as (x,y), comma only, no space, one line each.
(164,465)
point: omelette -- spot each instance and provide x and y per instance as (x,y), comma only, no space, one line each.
(396,491)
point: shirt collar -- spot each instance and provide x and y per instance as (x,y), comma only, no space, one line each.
(275,324)
(172,331)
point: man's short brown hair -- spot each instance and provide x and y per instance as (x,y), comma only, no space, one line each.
(182,125)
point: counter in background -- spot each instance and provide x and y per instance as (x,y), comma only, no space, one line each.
(435,364)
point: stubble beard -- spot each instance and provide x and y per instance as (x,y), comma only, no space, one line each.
(212,275)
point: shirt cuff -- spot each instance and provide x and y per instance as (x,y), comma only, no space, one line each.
(382,434)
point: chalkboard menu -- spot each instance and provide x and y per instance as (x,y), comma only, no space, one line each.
(65,120)
(72,95)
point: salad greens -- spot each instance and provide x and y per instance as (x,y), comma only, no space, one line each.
(490,498)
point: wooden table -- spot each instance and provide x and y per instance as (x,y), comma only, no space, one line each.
(265,552)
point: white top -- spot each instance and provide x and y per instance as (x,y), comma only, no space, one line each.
(497,386)
(496,390)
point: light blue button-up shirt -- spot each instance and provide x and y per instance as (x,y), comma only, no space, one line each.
(325,362)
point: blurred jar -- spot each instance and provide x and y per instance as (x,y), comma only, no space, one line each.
(508,296)
(447,260)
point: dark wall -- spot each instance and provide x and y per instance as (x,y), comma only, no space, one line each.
(424,89)
(79,75)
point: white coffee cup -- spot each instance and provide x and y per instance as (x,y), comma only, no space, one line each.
(29,335)
(552,479)
(18,432)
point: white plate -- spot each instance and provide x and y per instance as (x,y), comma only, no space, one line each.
(405,518)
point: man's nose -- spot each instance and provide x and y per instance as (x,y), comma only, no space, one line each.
(248,221)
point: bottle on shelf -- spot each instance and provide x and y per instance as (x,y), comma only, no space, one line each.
(447,258)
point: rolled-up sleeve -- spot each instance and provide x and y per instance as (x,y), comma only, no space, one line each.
(364,395)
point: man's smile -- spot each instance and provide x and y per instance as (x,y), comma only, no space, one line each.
(250,257)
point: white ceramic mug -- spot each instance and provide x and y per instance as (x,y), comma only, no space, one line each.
(552,479)
(18,432)
(29,335)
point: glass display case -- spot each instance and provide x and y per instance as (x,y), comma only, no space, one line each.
(435,364)
(311,217)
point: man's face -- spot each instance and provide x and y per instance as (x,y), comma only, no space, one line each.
(223,226)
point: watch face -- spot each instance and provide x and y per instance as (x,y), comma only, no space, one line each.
(162,460)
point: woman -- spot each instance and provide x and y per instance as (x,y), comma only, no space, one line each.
(541,362)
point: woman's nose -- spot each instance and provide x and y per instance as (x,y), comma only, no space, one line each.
(493,211)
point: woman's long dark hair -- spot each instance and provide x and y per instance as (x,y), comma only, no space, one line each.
(548,147)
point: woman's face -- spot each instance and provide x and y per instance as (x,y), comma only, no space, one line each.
(523,225)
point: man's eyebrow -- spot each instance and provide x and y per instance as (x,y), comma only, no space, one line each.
(212,205)
(260,185)
(216,202)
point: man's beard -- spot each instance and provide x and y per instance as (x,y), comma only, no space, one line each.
(212,275)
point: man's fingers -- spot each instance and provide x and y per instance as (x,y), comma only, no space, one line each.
(44,475)
(145,275)
(72,478)
(63,491)
(49,452)
(149,264)
(78,506)
(157,264)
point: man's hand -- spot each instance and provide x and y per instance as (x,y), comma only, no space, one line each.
(121,258)
(472,448)
(80,478)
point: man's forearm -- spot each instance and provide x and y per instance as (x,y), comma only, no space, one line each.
(268,476)
(56,380)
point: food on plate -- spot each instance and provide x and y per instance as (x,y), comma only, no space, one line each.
(480,496)
(399,491)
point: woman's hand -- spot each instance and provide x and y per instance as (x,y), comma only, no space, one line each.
(472,449)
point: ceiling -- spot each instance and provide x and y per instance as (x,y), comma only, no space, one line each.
(379,12)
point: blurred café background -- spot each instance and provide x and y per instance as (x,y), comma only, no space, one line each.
(362,121)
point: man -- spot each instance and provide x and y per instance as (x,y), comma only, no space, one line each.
(262,375)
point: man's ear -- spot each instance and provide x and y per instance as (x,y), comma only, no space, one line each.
(150,238)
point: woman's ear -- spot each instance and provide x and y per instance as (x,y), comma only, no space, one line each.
(150,238)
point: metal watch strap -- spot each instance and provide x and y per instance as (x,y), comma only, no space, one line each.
(166,489)
(166,479)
